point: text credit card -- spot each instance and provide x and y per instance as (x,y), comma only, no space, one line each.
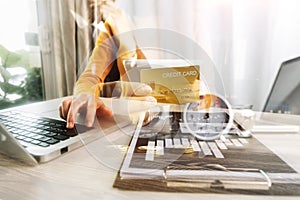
(176,85)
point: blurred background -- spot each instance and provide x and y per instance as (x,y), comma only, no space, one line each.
(45,43)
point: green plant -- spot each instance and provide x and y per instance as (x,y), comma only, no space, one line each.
(29,86)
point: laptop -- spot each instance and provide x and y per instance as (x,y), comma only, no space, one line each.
(32,138)
(283,97)
(285,93)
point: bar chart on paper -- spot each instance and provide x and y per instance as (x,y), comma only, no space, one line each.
(214,148)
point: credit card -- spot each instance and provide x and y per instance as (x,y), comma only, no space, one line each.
(175,85)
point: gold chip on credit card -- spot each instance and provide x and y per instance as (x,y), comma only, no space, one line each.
(176,85)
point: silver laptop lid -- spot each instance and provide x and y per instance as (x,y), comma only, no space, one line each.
(285,93)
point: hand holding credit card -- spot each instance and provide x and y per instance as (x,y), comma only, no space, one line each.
(175,85)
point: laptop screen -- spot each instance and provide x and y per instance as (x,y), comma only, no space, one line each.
(285,93)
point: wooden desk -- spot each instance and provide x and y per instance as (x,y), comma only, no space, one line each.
(78,175)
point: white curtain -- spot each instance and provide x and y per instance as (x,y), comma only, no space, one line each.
(66,40)
(247,40)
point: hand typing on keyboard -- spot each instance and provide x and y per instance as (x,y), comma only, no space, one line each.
(70,106)
(94,106)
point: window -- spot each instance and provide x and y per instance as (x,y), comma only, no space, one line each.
(20,61)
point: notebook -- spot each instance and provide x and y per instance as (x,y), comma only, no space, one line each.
(33,139)
(285,93)
(283,98)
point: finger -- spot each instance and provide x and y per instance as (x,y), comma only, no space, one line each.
(76,104)
(61,114)
(135,89)
(70,118)
(104,111)
(64,107)
(104,107)
(142,90)
(91,111)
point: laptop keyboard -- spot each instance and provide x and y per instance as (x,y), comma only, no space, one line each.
(36,130)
